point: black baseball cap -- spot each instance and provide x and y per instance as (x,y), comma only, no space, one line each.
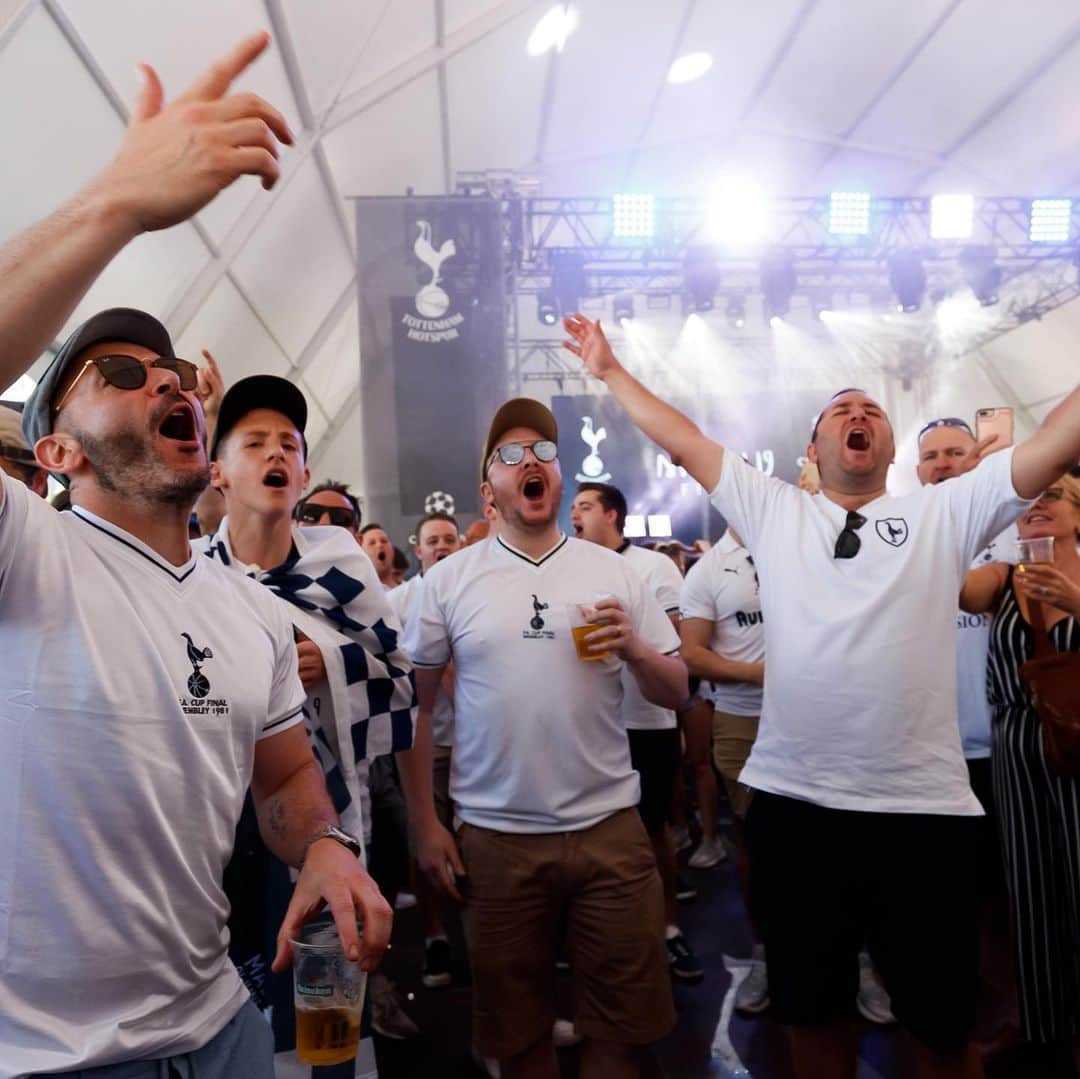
(260,391)
(116,324)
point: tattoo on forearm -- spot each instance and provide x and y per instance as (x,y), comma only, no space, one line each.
(279,826)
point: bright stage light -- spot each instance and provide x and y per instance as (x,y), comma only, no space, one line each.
(632,217)
(982,273)
(738,214)
(659,524)
(1050,221)
(547,308)
(775,322)
(907,278)
(701,278)
(951,216)
(689,67)
(821,307)
(735,312)
(849,213)
(622,308)
(634,528)
(552,30)
(20,389)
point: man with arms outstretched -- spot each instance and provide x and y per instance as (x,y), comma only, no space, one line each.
(857,769)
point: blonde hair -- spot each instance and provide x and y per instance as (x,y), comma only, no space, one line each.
(1070,484)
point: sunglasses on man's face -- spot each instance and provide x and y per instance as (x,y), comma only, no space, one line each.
(130,373)
(313,514)
(513,453)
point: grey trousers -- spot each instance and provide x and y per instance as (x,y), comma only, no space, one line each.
(244,1049)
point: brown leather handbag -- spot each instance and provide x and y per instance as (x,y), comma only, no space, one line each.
(1054,680)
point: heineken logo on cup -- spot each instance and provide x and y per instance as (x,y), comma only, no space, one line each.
(314,990)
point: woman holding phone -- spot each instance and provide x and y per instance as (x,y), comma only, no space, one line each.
(1039,809)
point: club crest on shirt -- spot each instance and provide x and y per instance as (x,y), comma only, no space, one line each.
(200,703)
(537,623)
(893,530)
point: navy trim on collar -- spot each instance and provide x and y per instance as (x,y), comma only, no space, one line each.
(622,546)
(525,558)
(163,566)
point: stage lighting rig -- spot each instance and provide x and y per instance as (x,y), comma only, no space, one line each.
(701,279)
(1050,221)
(735,312)
(778,284)
(622,308)
(568,280)
(982,273)
(547,308)
(907,278)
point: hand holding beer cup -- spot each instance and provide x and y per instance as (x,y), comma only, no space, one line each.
(603,628)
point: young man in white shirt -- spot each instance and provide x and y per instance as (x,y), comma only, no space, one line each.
(858,756)
(541,774)
(377,546)
(143,688)
(598,514)
(437,537)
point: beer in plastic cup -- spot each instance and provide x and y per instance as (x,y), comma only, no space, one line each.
(1035,552)
(328,994)
(583,621)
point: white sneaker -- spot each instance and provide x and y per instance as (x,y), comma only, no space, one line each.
(872,1000)
(710,853)
(752,996)
(680,837)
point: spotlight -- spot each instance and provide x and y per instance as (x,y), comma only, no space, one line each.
(849,213)
(778,282)
(552,30)
(689,67)
(821,307)
(738,214)
(701,279)
(547,308)
(735,312)
(1050,221)
(622,308)
(907,278)
(632,217)
(568,279)
(982,273)
(951,216)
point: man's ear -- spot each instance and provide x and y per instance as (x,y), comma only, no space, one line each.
(486,493)
(217,477)
(811,453)
(59,453)
(307,478)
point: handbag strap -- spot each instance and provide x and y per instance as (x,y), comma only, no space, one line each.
(1037,621)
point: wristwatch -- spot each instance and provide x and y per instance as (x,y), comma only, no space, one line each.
(331,831)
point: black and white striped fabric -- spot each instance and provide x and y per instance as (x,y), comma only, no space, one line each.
(1039,815)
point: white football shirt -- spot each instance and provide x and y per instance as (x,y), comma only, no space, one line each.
(722,588)
(402,599)
(972,645)
(132,694)
(663,581)
(859,710)
(539,744)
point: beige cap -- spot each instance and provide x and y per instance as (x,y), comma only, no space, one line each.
(12,444)
(519,412)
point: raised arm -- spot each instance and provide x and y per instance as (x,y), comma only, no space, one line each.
(983,588)
(174,159)
(666,426)
(1051,451)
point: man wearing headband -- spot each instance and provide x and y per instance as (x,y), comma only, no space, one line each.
(541,775)
(857,770)
(143,687)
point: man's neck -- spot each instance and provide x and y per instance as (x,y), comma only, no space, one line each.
(853,500)
(534,543)
(613,541)
(163,527)
(258,540)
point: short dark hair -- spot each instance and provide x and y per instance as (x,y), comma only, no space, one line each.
(611,498)
(338,489)
(401,559)
(371,528)
(436,516)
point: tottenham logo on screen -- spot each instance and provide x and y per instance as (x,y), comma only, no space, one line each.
(592,468)
(431,324)
(439,502)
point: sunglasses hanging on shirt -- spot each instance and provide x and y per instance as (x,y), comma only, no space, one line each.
(848,542)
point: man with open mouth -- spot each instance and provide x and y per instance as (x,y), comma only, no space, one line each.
(551,843)
(378,547)
(857,770)
(143,687)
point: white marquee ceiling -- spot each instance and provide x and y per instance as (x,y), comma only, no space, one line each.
(804,95)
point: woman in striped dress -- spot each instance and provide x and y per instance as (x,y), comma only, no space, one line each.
(1039,810)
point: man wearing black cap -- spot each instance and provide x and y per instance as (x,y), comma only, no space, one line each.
(143,687)
(551,841)
(16,457)
(857,769)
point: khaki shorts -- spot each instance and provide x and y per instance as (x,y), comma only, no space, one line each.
(732,739)
(599,888)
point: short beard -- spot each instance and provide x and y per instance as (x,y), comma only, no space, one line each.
(128,464)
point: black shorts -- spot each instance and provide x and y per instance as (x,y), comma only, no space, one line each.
(655,757)
(990,870)
(825,883)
